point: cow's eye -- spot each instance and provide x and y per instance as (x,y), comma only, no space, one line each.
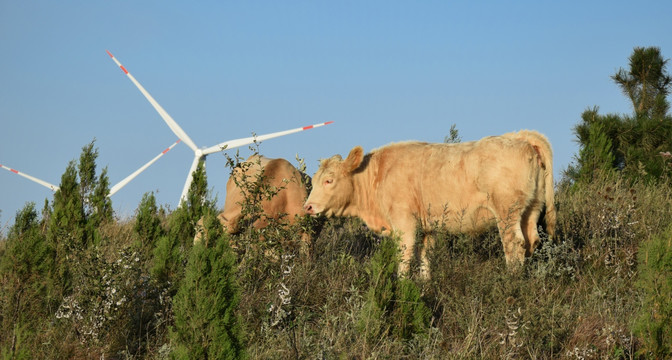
(328,181)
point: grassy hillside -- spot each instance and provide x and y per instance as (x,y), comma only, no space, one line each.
(599,290)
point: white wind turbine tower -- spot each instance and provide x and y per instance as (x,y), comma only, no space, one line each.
(201,153)
(113,189)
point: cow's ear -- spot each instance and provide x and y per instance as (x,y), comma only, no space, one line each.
(354,159)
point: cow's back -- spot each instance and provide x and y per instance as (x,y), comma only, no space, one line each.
(452,183)
(279,177)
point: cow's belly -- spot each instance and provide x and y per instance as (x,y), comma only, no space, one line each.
(461,215)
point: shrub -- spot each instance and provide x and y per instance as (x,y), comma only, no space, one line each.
(654,323)
(23,266)
(392,305)
(206,322)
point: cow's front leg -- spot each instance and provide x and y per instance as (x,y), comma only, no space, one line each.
(405,230)
(427,243)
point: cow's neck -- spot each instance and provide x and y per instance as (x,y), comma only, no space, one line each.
(364,203)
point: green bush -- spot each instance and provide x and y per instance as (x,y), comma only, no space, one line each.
(392,305)
(206,322)
(24,264)
(654,323)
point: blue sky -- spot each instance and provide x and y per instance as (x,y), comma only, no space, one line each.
(383,71)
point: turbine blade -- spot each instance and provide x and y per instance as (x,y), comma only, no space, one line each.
(128,179)
(190,177)
(249,140)
(163,113)
(49,186)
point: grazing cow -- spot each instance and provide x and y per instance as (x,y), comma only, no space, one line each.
(279,175)
(499,180)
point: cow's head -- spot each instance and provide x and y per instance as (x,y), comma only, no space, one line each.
(333,185)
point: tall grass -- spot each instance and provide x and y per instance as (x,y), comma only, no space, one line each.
(580,296)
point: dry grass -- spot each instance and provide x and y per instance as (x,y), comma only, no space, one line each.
(574,299)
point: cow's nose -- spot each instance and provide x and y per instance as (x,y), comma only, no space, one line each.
(308,208)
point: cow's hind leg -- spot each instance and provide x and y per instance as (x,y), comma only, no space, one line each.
(529,222)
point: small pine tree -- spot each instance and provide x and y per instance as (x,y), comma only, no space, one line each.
(392,305)
(597,155)
(380,296)
(196,202)
(93,191)
(171,250)
(646,83)
(23,267)
(206,323)
(410,316)
(147,224)
(102,205)
(66,231)
(632,145)
(654,325)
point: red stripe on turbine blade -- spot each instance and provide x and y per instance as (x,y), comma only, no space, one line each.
(165,151)
(109,53)
(328,122)
(123,68)
(14,171)
(307,127)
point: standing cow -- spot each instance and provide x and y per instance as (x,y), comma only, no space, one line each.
(499,180)
(278,174)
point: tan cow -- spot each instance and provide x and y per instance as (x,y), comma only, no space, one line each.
(278,174)
(499,180)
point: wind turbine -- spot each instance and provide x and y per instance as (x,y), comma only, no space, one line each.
(49,186)
(201,153)
(113,189)
(128,179)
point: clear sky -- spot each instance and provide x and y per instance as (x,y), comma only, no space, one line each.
(383,71)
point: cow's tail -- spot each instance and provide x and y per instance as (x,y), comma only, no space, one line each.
(543,148)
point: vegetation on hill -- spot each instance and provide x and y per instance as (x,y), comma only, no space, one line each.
(76,283)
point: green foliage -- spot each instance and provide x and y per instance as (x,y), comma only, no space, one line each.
(23,268)
(646,83)
(255,189)
(172,249)
(574,299)
(26,253)
(97,205)
(206,323)
(196,201)
(454,136)
(68,218)
(80,206)
(99,303)
(597,155)
(67,230)
(147,224)
(392,306)
(636,145)
(100,201)
(254,245)
(410,315)
(654,324)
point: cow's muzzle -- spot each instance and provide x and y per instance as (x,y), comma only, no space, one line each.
(310,209)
